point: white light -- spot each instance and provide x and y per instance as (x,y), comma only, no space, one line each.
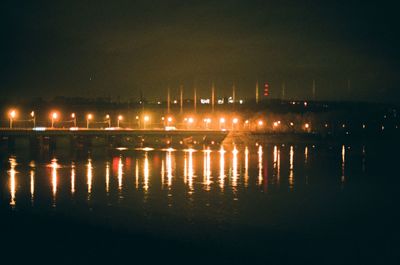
(205,101)
(39,129)
(220,101)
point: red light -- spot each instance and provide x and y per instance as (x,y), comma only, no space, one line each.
(266,89)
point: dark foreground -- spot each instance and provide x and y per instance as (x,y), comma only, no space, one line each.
(320,224)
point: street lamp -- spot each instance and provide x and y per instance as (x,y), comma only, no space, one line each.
(88,119)
(33,119)
(12,114)
(108,120)
(54,116)
(190,121)
(73,116)
(260,123)
(120,118)
(207,121)
(169,120)
(145,119)
(246,124)
(221,122)
(138,121)
(234,122)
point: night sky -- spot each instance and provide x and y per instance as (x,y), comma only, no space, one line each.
(119,48)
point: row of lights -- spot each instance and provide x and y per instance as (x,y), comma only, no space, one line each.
(54,116)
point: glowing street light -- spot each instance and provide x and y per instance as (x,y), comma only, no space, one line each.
(54,117)
(33,118)
(145,119)
(88,119)
(189,121)
(307,126)
(120,118)
(260,123)
(73,117)
(234,122)
(169,120)
(247,123)
(207,121)
(12,115)
(221,122)
(108,120)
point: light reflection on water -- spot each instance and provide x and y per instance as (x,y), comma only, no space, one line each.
(12,173)
(72,178)
(54,178)
(32,180)
(222,168)
(233,169)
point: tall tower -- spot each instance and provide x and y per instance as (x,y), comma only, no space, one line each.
(234,94)
(283,90)
(181,99)
(257,93)
(212,96)
(168,101)
(195,100)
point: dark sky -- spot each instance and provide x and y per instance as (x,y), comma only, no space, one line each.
(117,48)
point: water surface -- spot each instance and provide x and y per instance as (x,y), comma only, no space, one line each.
(292,202)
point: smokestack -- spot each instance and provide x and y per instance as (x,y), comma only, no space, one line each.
(257,92)
(168,101)
(233,94)
(212,96)
(181,99)
(195,100)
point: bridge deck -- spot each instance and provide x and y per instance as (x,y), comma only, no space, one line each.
(4,132)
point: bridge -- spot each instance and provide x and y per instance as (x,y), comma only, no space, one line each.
(52,138)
